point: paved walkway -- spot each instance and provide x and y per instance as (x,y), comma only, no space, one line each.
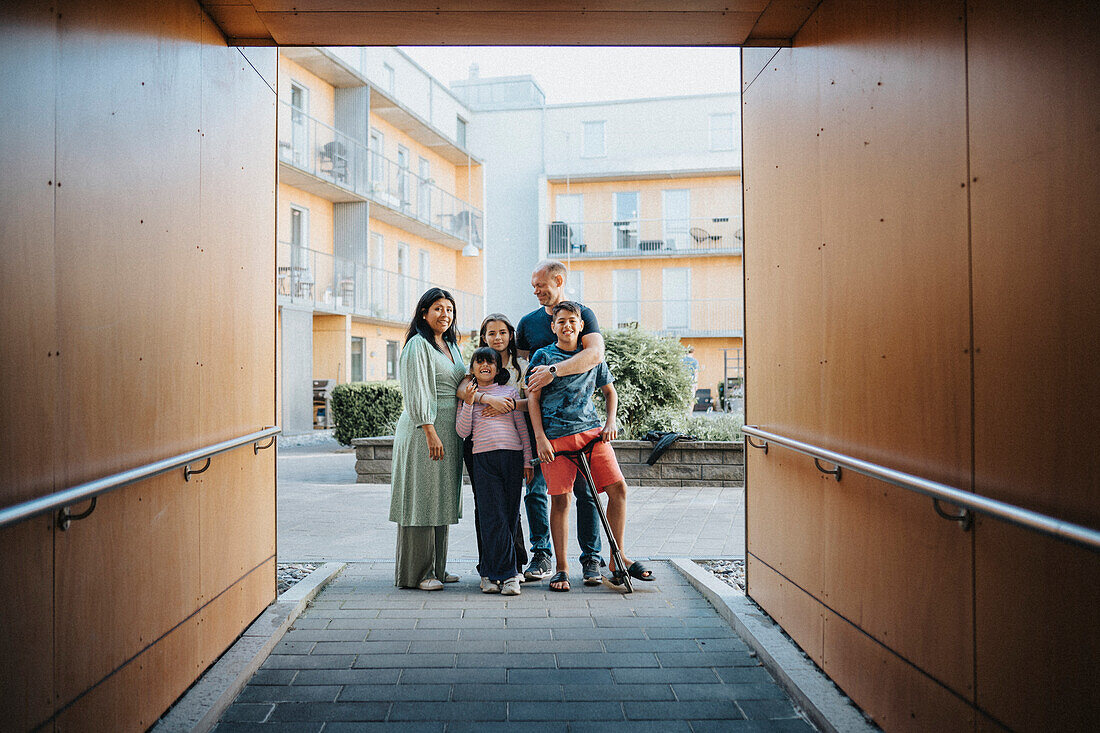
(324,515)
(367,656)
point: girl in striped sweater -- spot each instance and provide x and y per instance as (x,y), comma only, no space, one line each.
(501,461)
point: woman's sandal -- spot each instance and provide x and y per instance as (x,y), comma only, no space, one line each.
(560,577)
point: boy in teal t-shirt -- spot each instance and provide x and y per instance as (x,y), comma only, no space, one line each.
(564,418)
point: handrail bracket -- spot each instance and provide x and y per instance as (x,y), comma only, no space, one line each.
(256,447)
(764,446)
(188,472)
(66,517)
(965,517)
(832,472)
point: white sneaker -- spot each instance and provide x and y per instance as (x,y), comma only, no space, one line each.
(511,587)
(489,586)
(430,584)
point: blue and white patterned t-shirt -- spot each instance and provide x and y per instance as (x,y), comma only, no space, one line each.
(567,405)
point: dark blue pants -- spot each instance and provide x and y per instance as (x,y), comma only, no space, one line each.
(497,478)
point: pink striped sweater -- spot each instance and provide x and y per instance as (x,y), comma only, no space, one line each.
(501,432)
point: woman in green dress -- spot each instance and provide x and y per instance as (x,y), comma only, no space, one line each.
(427,452)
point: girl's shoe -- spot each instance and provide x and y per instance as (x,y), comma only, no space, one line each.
(450,578)
(511,587)
(430,584)
(489,586)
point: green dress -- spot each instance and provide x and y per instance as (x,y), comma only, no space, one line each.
(425,494)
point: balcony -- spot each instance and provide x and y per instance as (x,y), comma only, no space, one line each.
(335,285)
(685,318)
(323,161)
(721,235)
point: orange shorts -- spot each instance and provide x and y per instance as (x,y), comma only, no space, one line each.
(561,472)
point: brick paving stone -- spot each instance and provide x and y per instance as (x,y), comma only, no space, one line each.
(247,712)
(416,727)
(632,726)
(382,693)
(442,676)
(448,711)
(565,710)
(511,726)
(752,726)
(681,674)
(609,660)
(507,692)
(329,711)
(512,660)
(403,661)
(617,691)
(347,676)
(273,677)
(299,727)
(767,709)
(683,710)
(749,691)
(741,675)
(289,693)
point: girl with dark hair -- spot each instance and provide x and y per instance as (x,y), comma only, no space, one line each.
(427,452)
(500,460)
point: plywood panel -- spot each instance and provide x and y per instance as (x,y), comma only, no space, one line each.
(135,696)
(236,259)
(1047,593)
(28,319)
(782,259)
(26,624)
(784,505)
(897,696)
(124,577)
(1035,149)
(898,571)
(800,615)
(128,245)
(896,281)
(227,615)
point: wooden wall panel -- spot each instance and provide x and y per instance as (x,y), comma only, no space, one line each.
(1035,156)
(128,245)
(798,612)
(28,318)
(124,577)
(26,624)
(897,695)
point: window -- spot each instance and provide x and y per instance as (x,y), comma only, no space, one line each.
(676,298)
(301,277)
(391,360)
(721,132)
(357,349)
(574,286)
(424,191)
(627,288)
(377,161)
(460,132)
(568,235)
(677,217)
(403,175)
(593,143)
(425,262)
(626,219)
(404,307)
(388,78)
(299,124)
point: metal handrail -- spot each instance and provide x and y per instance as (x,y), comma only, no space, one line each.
(1061,529)
(93,489)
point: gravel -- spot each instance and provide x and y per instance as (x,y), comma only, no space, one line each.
(288,574)
(730,572)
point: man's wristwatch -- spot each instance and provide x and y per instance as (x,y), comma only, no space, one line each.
(553,369)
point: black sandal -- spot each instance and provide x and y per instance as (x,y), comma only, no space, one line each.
(560,577)
(639,571)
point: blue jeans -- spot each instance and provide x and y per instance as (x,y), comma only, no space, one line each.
(537,503)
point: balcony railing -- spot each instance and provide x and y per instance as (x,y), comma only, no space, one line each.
(646,237)
(339,285)
(688,317)
(311,146)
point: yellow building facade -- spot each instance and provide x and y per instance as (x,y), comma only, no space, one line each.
(377,201)
(659,254)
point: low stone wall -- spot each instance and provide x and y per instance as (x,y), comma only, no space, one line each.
(686,463)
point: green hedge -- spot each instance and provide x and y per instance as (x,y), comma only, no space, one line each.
(365,409)
(650,378)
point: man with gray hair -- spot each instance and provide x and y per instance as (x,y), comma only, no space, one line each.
(533,333)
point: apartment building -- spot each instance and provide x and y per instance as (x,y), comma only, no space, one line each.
(379,198)
(640,198)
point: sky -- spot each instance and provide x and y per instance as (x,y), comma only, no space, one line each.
(588,74)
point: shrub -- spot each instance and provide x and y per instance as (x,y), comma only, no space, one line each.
(650,377)
(365,409)
(713,426)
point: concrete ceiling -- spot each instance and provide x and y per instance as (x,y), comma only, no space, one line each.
(509,23)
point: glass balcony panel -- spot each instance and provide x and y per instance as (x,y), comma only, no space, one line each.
(642,237)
